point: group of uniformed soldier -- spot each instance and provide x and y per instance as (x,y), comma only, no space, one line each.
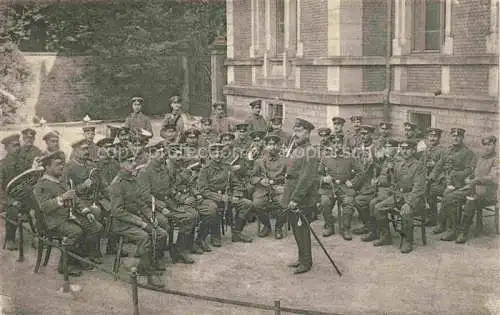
(200,179)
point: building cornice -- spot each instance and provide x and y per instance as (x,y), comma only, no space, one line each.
(448,102)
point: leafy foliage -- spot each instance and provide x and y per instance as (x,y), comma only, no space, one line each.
(136,46)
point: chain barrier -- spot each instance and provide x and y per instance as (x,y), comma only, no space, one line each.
(133,279)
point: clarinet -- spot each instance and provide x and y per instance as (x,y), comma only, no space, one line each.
(72,203)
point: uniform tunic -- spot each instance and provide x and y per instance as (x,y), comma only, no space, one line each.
(272,168)
(138,121)
(256,123)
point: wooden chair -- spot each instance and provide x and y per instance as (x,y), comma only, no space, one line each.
(44,240)
(487,212)
(418,221)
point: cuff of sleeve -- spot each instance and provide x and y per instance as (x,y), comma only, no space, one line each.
(60,201)
(86,211)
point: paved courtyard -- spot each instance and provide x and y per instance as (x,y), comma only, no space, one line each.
(440,278)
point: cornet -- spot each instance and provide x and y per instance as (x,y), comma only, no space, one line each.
(253,152)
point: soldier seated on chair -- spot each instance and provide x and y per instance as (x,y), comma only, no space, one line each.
(127,207)
(483,186)
(338,172)
(64,214)
(163,179)
(384,182)
(268,177)
(457,164)
(407,198)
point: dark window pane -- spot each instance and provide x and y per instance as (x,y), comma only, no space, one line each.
(433,15)
(432,40)
(280,26)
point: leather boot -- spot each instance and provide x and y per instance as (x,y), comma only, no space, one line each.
(301,269)
(237,236)
(431,212)
(407,226)
(441,223)
(12,245)
(191,245)
(181,252)
(463,235)
(73,270)
(451,233)
(346,227)
(201,239)
(266,229)
(372,227)
(329,230)
(278,232)
(360,230)
(385,236)
(215,234)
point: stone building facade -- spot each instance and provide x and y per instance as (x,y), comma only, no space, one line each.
(322,58)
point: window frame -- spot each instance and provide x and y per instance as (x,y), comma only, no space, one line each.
(280,21)
(419,31)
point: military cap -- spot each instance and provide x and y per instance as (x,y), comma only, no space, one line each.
(80,144)
(489,140)
(391,143)
(272,138)
(302,123)
(276,120)
(217,104)
(105,142)
(434,131)
(206,121)
(192,133)
(324,131)
(355,118)
(367,128)
(257,135)
(48,158)
(409,125)
(137,98)
(175,99)
(227,134)
(385,125)
(242,127)
(408,143)
(11,138)
(216,147)
(457,132)
(50,135)
(28,132)
(88,128)
(256,103)
(338,120)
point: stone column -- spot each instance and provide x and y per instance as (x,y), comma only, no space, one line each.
(218,70)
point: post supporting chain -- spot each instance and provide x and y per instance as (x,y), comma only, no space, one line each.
(20,220)
(135,292)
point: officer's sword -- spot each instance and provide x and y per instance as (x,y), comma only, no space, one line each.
(303,218)
(153,232)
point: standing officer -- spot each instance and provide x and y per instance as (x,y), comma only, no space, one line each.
(409,184)
(483,187)
(208,134)
(10,168)
(412,132)
(28,151)
(162,179)
(255,120)
(354,135)
(64,212)
(177,117)
(435,184)
(384,135)
(243,140)
(338,128)
(126,211)
(137,120)
(338,171)
(324,134)
(458,164)
(51,139)
(365,152)
(300,191)
(276,128)
(219,120)
(268,177)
